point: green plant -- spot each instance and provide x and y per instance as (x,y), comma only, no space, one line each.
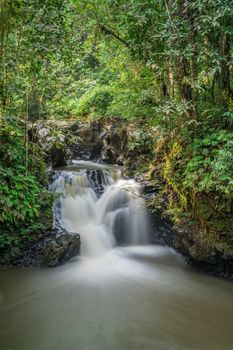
(95,102)
(23,200)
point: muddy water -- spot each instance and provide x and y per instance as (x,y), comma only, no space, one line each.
(131,298)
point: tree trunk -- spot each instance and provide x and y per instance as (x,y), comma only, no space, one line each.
(224,78)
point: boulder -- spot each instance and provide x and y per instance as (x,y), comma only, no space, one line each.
(55,139)
(55,250)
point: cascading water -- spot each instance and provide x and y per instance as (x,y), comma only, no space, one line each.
(104,208)
(138,297)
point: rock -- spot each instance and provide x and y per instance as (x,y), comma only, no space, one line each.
(56,140)
(101,142)
(114,146)
(55,250)
(43,132)
(59,250)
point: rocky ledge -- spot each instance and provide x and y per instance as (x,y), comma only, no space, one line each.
(56,249)
(213,260)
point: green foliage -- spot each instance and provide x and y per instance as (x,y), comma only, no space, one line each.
(165,64)
(22,197)
(199,179)
(95,102)
(140,141)
(210,169)
(19,198)
(11,138)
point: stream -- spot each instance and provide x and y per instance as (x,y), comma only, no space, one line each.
(122,293)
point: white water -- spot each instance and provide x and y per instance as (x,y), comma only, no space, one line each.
(117,216)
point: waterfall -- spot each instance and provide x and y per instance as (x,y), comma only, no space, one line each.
(104,208)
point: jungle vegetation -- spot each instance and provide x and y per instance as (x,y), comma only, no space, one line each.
(165,65)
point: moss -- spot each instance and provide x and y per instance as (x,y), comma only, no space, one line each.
(169,172)
(204,220)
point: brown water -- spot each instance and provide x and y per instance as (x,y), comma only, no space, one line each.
(132,298)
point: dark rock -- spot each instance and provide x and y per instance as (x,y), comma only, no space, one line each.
(163,232)
(202,257)
(74,127)
(55,141)
(101,142)
(55,250)
(222,268)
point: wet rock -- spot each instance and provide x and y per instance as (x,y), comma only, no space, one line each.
(56,140)
(222,268)
(55,250)
(43,132)
(114,149)
(215,260)
(102,141)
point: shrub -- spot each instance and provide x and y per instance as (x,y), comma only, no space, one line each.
(22,196)
(95,102)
